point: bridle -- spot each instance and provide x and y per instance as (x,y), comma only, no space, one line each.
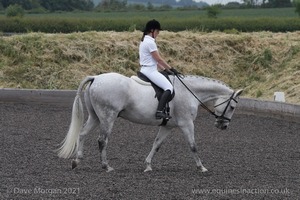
(222,116)
(219,117)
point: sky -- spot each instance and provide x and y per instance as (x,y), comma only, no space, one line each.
(210,2)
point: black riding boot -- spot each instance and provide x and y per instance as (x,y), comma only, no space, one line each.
(165,97)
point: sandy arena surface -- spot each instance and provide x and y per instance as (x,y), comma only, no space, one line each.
(256,158)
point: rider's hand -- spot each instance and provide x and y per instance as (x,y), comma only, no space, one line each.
(168,71)
(175,71)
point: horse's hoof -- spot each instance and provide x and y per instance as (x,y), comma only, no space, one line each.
(74,163)
(109,169)
(203,170)
(148,169)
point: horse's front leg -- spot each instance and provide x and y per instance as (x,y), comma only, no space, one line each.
(188,131)
(161,136)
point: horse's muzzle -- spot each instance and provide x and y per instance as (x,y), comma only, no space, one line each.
(222,123)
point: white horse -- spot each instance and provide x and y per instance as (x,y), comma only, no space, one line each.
(111,95)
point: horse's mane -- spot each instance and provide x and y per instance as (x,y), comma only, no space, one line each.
(208,80)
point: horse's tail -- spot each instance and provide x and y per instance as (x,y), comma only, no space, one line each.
(69,144)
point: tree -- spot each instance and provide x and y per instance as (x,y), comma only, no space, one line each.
(297,6)
(232,5)
(25,4)
(150,6)
(165,7)
(274,3)
(14,11)
(249,3)
(279,3)
(112,5)
(213,11)
(51,5)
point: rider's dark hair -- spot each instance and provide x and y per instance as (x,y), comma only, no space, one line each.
(151,25)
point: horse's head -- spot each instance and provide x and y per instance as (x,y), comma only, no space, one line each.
(224,109)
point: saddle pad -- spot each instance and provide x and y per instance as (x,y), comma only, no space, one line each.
(140,81)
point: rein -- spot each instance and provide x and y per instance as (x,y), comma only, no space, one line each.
(221,117)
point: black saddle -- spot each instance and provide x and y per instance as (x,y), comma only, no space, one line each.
(158,93)
(158,90)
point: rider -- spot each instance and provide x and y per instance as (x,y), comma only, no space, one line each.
(150,60)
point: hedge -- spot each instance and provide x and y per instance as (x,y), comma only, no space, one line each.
(68,25)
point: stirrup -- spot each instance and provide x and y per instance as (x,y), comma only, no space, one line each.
(162,115)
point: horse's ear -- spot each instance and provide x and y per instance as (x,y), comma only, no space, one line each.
(238,93)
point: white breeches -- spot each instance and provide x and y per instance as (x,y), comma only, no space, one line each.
(156,77)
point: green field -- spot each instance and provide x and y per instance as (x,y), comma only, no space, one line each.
(244,20)
(247,13)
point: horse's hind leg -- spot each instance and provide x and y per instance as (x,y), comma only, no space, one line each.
(161,136)
(106,125)
(90,124)
(102,141)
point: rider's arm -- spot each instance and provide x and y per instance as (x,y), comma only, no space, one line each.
(161,63)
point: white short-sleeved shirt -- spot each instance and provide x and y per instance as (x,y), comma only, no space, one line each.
(147,46)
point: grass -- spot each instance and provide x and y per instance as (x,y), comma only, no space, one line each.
(261,63)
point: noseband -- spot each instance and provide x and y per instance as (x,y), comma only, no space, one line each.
(218,117)
(222,116)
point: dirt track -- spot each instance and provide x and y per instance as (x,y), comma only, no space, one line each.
(256,158)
